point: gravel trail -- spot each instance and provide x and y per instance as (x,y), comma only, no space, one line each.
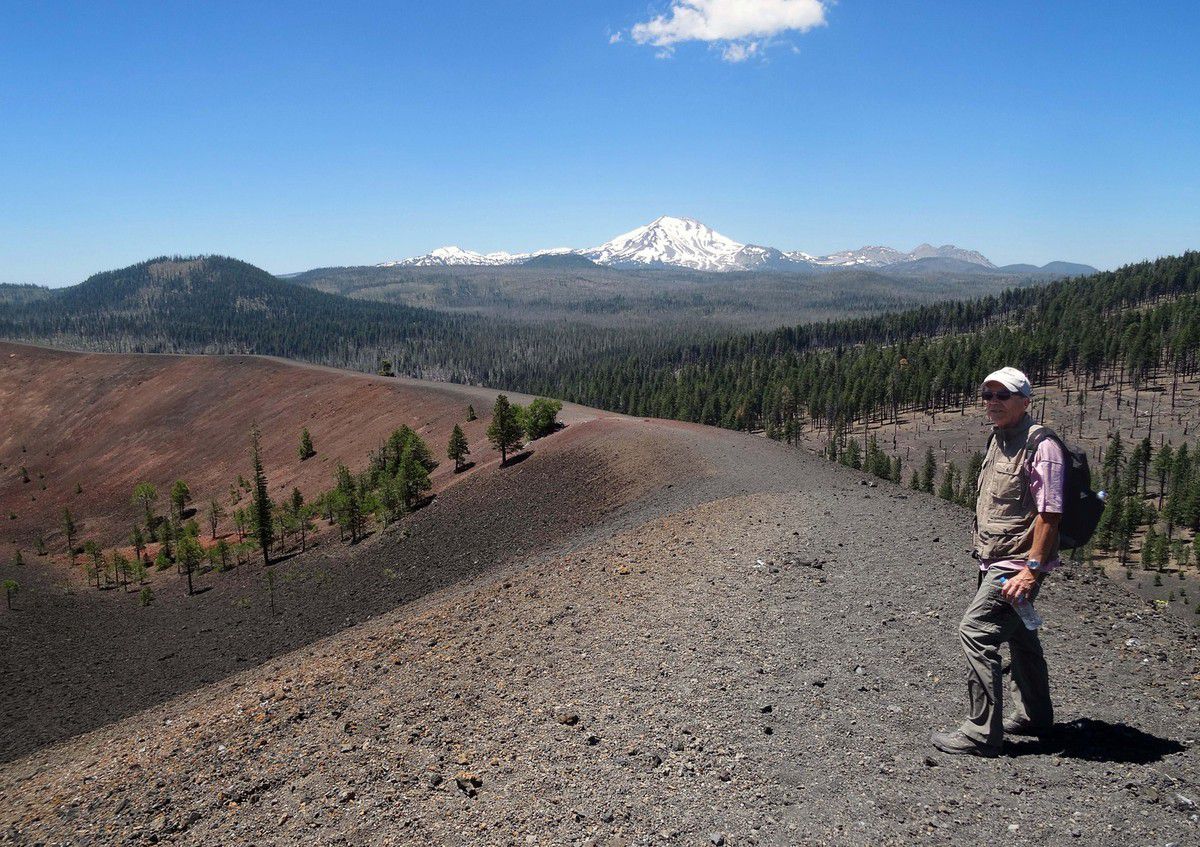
(753,651)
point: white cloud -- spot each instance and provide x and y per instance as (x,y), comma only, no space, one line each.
(742,27)
(614,38)
(738,51)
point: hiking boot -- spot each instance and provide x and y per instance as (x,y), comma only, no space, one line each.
(958,744)
(1022,726)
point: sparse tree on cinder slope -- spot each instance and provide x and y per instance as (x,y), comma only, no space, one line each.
(95,561)
(414,479)
(458,449)
(120,566)
(306,446)
(262,506)
(191,554)
(138,541)
(215,513)
(181,495)
(504,432)
(542,417)
(144,494)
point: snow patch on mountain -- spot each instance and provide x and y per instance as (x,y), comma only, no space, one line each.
(453,255)
(687,243)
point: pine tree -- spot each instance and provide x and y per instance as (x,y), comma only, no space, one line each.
(1108,529)
(458,449)
(1145,448)
(11,589)
(145,494)
(304,513)
(471,414)
(1177,512)
(349,504)
(215,513)
(181,495)
(391,498)
(414,479)
(191,554)
(222,553)
(852,458)
(947,489)
(39,546)
(1162,551)
(1132,518)
(504,432)
(928,471)
(120,566)
(915,482)
(306,445)
(95,560)
(262,507)
(138,541)
(1113,460)
(1150,549)
(970,483)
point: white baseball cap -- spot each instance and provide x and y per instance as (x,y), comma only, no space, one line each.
(1012,379)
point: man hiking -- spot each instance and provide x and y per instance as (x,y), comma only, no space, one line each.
(1019,504)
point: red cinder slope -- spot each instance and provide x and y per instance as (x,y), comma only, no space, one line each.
(106,422)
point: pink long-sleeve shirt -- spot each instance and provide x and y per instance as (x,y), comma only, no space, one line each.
(1047,476)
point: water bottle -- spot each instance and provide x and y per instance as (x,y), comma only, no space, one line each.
(1029,615)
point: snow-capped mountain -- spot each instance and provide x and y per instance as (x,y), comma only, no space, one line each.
(876,256)
(687,243)
(453,255)
(682,242)
(873,256)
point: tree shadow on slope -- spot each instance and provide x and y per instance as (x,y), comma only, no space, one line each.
(1097,741)
(517,459)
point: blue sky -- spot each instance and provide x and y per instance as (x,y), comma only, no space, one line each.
(308,134)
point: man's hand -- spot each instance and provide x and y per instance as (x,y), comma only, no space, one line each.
(1019,586)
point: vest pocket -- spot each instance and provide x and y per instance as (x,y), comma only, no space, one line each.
(1007,486)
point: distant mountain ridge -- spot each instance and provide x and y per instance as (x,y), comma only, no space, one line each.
(672,242)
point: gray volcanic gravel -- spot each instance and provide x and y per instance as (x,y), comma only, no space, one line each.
(754,656)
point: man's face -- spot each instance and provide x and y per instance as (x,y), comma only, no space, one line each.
(1003,413)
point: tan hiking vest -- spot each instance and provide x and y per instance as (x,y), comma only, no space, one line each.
(1005,508)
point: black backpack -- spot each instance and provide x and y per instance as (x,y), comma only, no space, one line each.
(1082,507)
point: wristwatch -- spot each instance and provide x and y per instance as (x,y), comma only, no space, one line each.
(1033,564)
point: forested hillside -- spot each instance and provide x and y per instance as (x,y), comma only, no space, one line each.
(10,293)
(221,305)
(1131,322)
(676,302)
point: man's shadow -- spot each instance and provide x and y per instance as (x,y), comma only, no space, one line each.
(1095,741)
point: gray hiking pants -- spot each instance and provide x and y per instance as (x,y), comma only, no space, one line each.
(989,622)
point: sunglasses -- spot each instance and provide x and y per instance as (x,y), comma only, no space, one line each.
(1002,394)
